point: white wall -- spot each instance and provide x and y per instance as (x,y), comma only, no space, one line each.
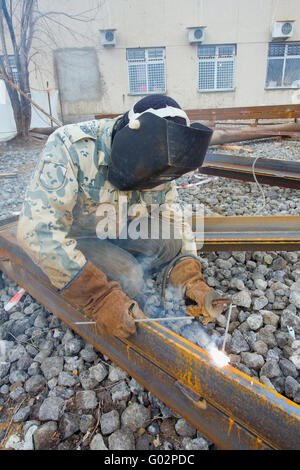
(148,23)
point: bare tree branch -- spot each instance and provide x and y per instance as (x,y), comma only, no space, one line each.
(23,27)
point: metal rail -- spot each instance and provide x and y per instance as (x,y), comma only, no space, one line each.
(232,409)
(270,171)
(289,111)
(249,233)
(235,233)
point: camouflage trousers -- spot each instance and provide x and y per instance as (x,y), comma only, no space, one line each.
(130,261)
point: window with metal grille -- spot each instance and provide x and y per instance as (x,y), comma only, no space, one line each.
(146,70)
(12,63)
(216,67)
(283,69)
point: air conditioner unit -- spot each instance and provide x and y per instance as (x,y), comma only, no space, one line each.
(282,29)
(196,35)
(108,37)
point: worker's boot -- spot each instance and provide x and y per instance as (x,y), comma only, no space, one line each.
(103,301)
(187,275)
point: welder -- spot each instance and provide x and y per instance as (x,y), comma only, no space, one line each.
(101,167)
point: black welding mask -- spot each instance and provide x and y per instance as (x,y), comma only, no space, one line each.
(152,150)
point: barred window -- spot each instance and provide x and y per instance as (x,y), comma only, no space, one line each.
(146,70)
(216,67)
(283,69)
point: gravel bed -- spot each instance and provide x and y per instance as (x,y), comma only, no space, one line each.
(58,392)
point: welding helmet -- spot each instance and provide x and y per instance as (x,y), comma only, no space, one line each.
(155,143)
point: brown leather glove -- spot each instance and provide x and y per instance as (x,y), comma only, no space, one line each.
(102,301)
(187,274)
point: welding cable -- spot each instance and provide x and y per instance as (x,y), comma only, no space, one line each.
(259,187)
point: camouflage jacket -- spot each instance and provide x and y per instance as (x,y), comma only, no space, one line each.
(67,188)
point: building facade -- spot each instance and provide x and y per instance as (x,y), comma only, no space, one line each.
(203,53)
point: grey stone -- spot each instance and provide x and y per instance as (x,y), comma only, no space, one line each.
(86,400)
(239,256)
(34,369)
(86,422)
(34,384)
(282,338)
(31,308)
(120,392)
(266,381)
(252,360)
(87,381)
(237,283)
(43,435)
(296,286)
(278,383)
(255,321)
(271,369)
(260,303)
(16,393)
(4,389)
(69,424)
(289,318)
(297,396)
(109,422)
(295,298)
(40,322)
(260,284)
(153,429)
(238,343)
(28,425)
(88,354)
(295,359)
(122,439)
(74,364)
(135,416)
(98,372)
(4,369)
(19,327)
(15,353)
(22,414)
(97,443)
(195,444)
(73,346)
(51,409)
(268,259)
(24,362)
(266,335)
(52,366)
(279,263)
(135,387)
(291,387)
(242,299)
(18,376)
(184,429)
(270,318)
(115,374)
(274,354)
(67,379)
(288,368)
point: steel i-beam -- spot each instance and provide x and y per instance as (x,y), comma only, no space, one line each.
(232,409)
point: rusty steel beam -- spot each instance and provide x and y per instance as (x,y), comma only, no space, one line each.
(270,171)
(290,111)
(249,233)
(181,374)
